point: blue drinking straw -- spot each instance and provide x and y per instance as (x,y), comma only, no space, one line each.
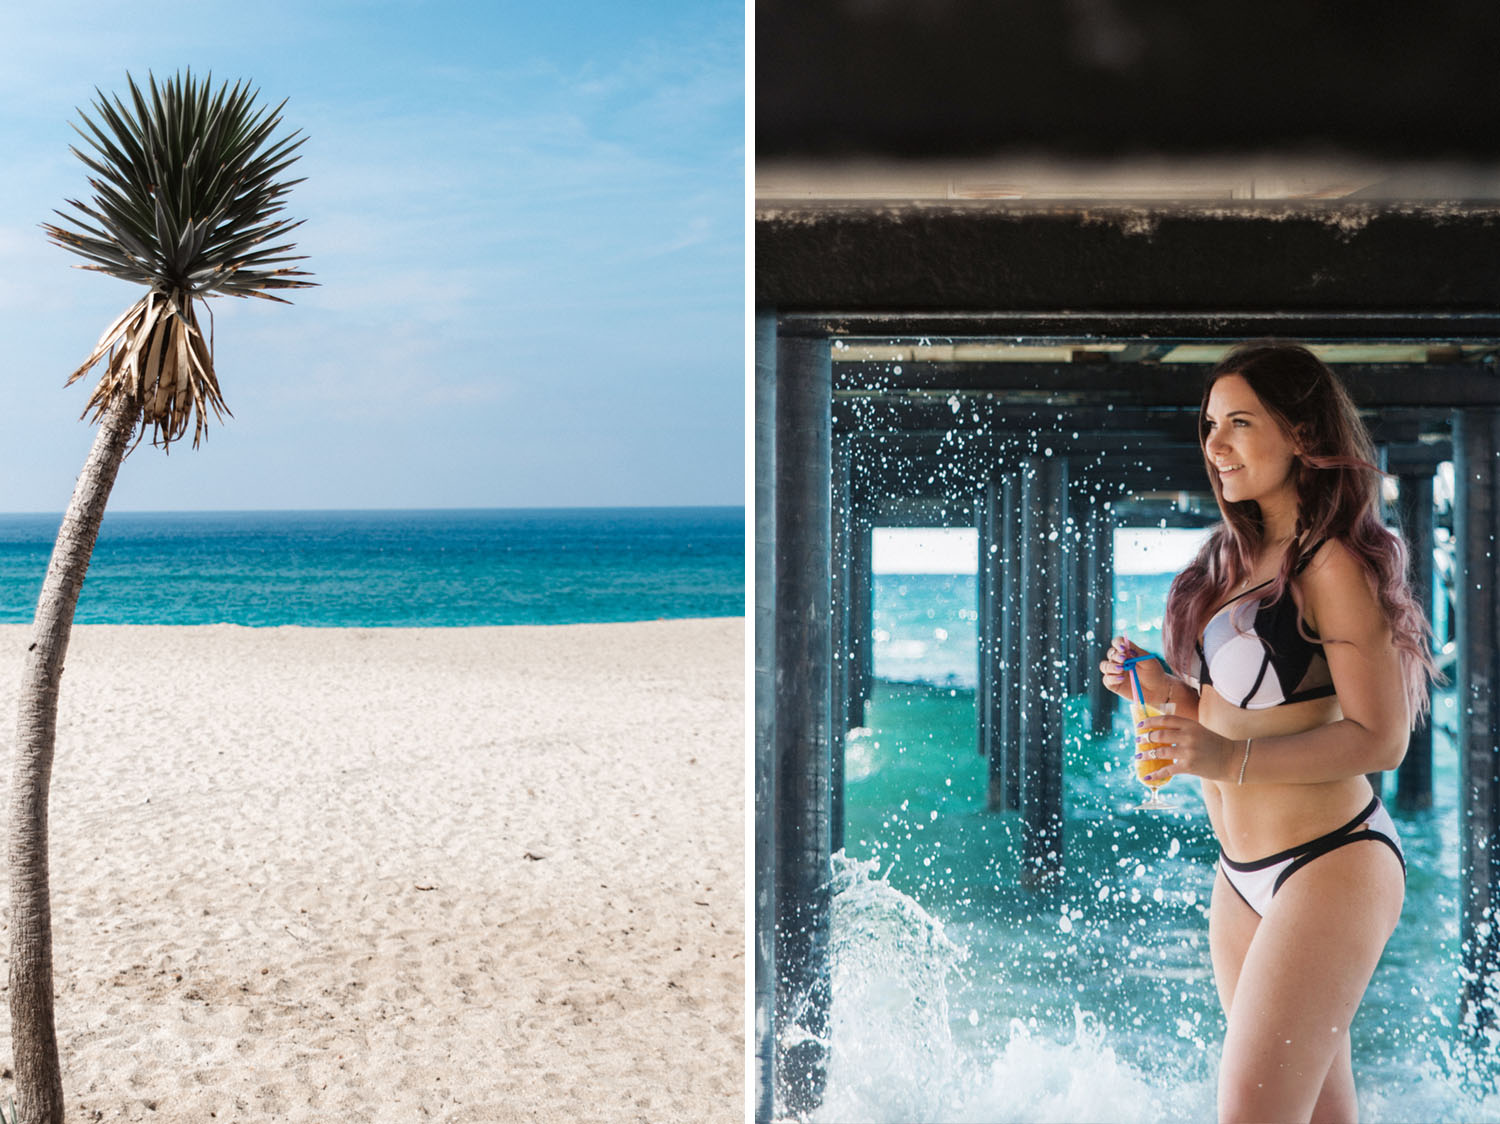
(1135,675)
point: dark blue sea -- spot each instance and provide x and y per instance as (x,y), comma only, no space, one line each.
(393,568)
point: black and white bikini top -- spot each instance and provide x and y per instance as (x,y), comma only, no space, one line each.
(1254,655)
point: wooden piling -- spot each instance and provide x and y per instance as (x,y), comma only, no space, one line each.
(1075,548)
(765,715)
(986,600)
(1101,536)
(1477,523)
(861,609)
(803,720)
(1012,590)
(1414,778)
(989,700)
(841,532)
(1043,684)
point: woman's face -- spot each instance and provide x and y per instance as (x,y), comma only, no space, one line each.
(1248,450)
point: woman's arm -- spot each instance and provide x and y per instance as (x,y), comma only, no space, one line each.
(1181,697)
(1339,602)
(1372,734)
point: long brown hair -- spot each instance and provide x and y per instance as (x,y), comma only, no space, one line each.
(1337,482)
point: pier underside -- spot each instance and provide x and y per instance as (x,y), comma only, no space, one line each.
(1034,371)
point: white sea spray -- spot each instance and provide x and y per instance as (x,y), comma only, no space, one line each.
(893,1057)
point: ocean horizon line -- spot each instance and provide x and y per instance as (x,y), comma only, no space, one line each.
(578,508)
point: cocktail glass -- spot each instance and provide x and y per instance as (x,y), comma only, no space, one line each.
(1140,710)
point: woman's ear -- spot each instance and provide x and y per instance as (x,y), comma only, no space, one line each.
(1300,439)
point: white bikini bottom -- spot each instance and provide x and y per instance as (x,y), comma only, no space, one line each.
(1257,882)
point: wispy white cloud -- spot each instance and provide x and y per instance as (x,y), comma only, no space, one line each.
(491,210)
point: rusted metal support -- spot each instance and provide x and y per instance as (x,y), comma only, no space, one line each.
(1044,489)
(1477,524)
(1414,778)
(803,725)
(1005,762)
(765,715)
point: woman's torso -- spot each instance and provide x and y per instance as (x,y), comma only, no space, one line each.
(1255,820)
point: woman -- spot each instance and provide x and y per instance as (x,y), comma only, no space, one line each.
(1302,662)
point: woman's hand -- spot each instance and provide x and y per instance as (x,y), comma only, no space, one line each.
(1190,747)
(1117,678)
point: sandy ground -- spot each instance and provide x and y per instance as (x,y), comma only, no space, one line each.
(482,874)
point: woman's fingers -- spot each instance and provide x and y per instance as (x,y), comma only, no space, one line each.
(1114,676)
(1162,733)
(1192,748)
(1120,649)
(1164,754)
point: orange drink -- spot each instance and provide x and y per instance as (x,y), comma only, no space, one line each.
(1140,710)
(1139,713)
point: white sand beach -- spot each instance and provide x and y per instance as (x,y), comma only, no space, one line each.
(347,875)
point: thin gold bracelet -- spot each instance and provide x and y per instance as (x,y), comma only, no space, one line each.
(1246,760)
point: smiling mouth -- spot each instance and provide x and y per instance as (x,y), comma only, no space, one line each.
(1229,471)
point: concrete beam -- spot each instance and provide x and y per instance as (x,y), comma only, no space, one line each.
(973,77)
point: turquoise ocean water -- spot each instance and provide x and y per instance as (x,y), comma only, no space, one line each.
(961,996)
(392,568)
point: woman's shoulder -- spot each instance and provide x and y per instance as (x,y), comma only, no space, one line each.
(1330,559)
(1337,587)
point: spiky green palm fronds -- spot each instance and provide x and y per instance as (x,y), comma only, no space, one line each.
(186,203)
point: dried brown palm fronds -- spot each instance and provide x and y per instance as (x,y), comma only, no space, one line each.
(187,199)
(158,356)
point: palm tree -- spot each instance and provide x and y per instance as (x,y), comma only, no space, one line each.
(186,203)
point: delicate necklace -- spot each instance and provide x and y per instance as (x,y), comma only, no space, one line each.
(1248,579)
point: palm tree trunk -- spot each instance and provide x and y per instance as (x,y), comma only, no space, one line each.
(33,1032)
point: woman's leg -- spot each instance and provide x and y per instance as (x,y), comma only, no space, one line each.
(1301,981)
(1231,925)
(1336,1100)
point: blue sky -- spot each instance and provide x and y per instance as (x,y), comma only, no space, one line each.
(527,222)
